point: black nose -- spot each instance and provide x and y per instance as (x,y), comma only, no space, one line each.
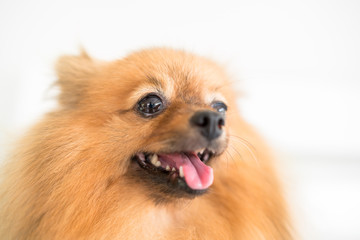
(209,123)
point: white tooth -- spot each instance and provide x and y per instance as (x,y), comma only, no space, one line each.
(181,171)
(154,159)
(158,164)
(167,168)
(141,156)
(201,151)
(173,169)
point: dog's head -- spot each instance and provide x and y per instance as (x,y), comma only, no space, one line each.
(160,115)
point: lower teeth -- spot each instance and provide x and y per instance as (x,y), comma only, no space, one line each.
(181,171)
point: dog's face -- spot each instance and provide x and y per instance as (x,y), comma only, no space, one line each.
(162,114)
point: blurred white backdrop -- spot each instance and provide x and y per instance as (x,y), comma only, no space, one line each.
(296,61)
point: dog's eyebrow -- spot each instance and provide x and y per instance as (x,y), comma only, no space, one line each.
(155,82)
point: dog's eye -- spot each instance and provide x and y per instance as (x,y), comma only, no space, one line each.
(150,105)
(219,106)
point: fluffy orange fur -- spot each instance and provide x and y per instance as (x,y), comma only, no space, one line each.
(67,179)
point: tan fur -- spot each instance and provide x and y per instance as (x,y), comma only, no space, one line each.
(66,180)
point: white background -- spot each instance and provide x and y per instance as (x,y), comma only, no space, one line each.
(297,63)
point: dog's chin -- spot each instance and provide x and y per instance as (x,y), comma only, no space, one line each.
(167,176)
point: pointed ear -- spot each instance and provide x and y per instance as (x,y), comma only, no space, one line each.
(73,76)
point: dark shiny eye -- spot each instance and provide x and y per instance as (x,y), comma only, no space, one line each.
(219,106)
(150,105)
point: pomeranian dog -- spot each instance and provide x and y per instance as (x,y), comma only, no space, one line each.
(147,147)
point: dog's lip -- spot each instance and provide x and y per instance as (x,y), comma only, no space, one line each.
(188,167)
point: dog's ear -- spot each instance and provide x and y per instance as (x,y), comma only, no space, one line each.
(73,74)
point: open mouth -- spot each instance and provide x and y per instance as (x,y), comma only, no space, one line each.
(188,167)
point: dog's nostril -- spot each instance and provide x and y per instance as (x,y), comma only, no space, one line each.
(209,123)
(201,121)
(221,123)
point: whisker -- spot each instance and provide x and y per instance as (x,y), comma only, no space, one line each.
(226,151)
(244,140)
(227,159)
(246,144)
(237,152)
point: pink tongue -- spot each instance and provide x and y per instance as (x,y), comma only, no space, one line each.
(197,175)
